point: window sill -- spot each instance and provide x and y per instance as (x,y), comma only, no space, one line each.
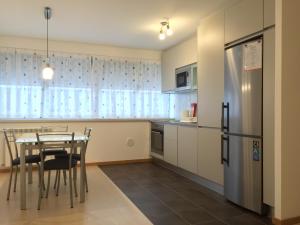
(77,120)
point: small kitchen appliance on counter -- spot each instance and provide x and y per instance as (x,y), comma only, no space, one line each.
(189,116)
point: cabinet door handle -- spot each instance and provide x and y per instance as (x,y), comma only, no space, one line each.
(156,132)
(223,127)
(226,160)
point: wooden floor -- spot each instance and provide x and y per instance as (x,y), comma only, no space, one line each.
(105,205)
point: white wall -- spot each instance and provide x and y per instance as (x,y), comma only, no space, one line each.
(76,47)
(108,141)
(287,110)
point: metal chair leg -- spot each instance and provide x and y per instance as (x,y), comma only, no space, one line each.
(55,182)
(75,180)
(9,184)
(86,183)
(71,189)
(41,188)
(58,183)
(65,177)
(16,176)
(39,174)
(48,183)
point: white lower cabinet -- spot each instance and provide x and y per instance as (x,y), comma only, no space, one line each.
(170,144)
(187,148)
(209,155)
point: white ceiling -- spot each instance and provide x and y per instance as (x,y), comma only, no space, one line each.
(127,23)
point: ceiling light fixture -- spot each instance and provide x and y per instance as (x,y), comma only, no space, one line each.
(165,30)
(47,71)
(161,35)
(169,30)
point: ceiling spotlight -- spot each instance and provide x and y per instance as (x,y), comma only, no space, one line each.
(165,30)
(161,35)
(169,30)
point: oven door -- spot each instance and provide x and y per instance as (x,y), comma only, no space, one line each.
(157,144)
(182,79)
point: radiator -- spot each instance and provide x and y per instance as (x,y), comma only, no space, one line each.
(4,156)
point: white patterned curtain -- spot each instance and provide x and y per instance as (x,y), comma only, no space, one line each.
(83,87)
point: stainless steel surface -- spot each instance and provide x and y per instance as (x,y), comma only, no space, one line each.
(243,93)
(241,142)
(243,171)
(157,138)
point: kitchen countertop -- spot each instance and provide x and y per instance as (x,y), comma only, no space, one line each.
(162,121)
(176,122)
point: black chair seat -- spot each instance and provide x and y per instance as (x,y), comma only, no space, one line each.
(28,159)
(55,152)
(61,163)
(76,157)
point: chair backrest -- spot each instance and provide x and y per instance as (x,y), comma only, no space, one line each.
(54,144)
(87,132)
(10,138)
(64,128)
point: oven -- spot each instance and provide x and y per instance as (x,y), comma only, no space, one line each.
(157,140)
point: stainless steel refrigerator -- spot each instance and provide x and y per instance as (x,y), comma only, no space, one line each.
(242,139)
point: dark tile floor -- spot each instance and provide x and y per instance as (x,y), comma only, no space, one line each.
(167,198)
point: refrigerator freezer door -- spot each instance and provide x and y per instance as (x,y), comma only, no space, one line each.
(243,171)
(243,90)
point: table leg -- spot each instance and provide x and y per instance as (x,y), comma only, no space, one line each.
(82,164)
(23,177)
(30,168)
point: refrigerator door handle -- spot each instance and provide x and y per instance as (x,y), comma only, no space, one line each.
(226,160)
(223,127)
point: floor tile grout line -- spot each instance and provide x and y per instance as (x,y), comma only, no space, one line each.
(172,210)
(182,196)
(219,219)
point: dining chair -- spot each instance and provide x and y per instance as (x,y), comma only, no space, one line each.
(87,132)
(51,152)
(77,157)
(10,140)
(57,164)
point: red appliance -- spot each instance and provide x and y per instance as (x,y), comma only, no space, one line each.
(194,109)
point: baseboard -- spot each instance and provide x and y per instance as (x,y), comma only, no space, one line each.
(4,169)
(290,221)
(120,162)
(200,180)
(106,163)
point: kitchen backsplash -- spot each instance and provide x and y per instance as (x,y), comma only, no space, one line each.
(180,102)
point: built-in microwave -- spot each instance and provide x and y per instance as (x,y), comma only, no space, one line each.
(186,77)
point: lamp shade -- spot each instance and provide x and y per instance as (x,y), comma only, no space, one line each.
(47,73)
(169,31)
(161,35)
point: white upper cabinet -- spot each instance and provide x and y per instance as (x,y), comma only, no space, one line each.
(187,148)
(210,70)
(243,18)
(269,13)
(180,55)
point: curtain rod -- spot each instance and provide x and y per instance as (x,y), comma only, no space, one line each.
(82,54)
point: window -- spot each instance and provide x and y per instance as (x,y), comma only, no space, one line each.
(83,87)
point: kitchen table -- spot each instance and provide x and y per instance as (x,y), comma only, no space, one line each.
(28,142)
